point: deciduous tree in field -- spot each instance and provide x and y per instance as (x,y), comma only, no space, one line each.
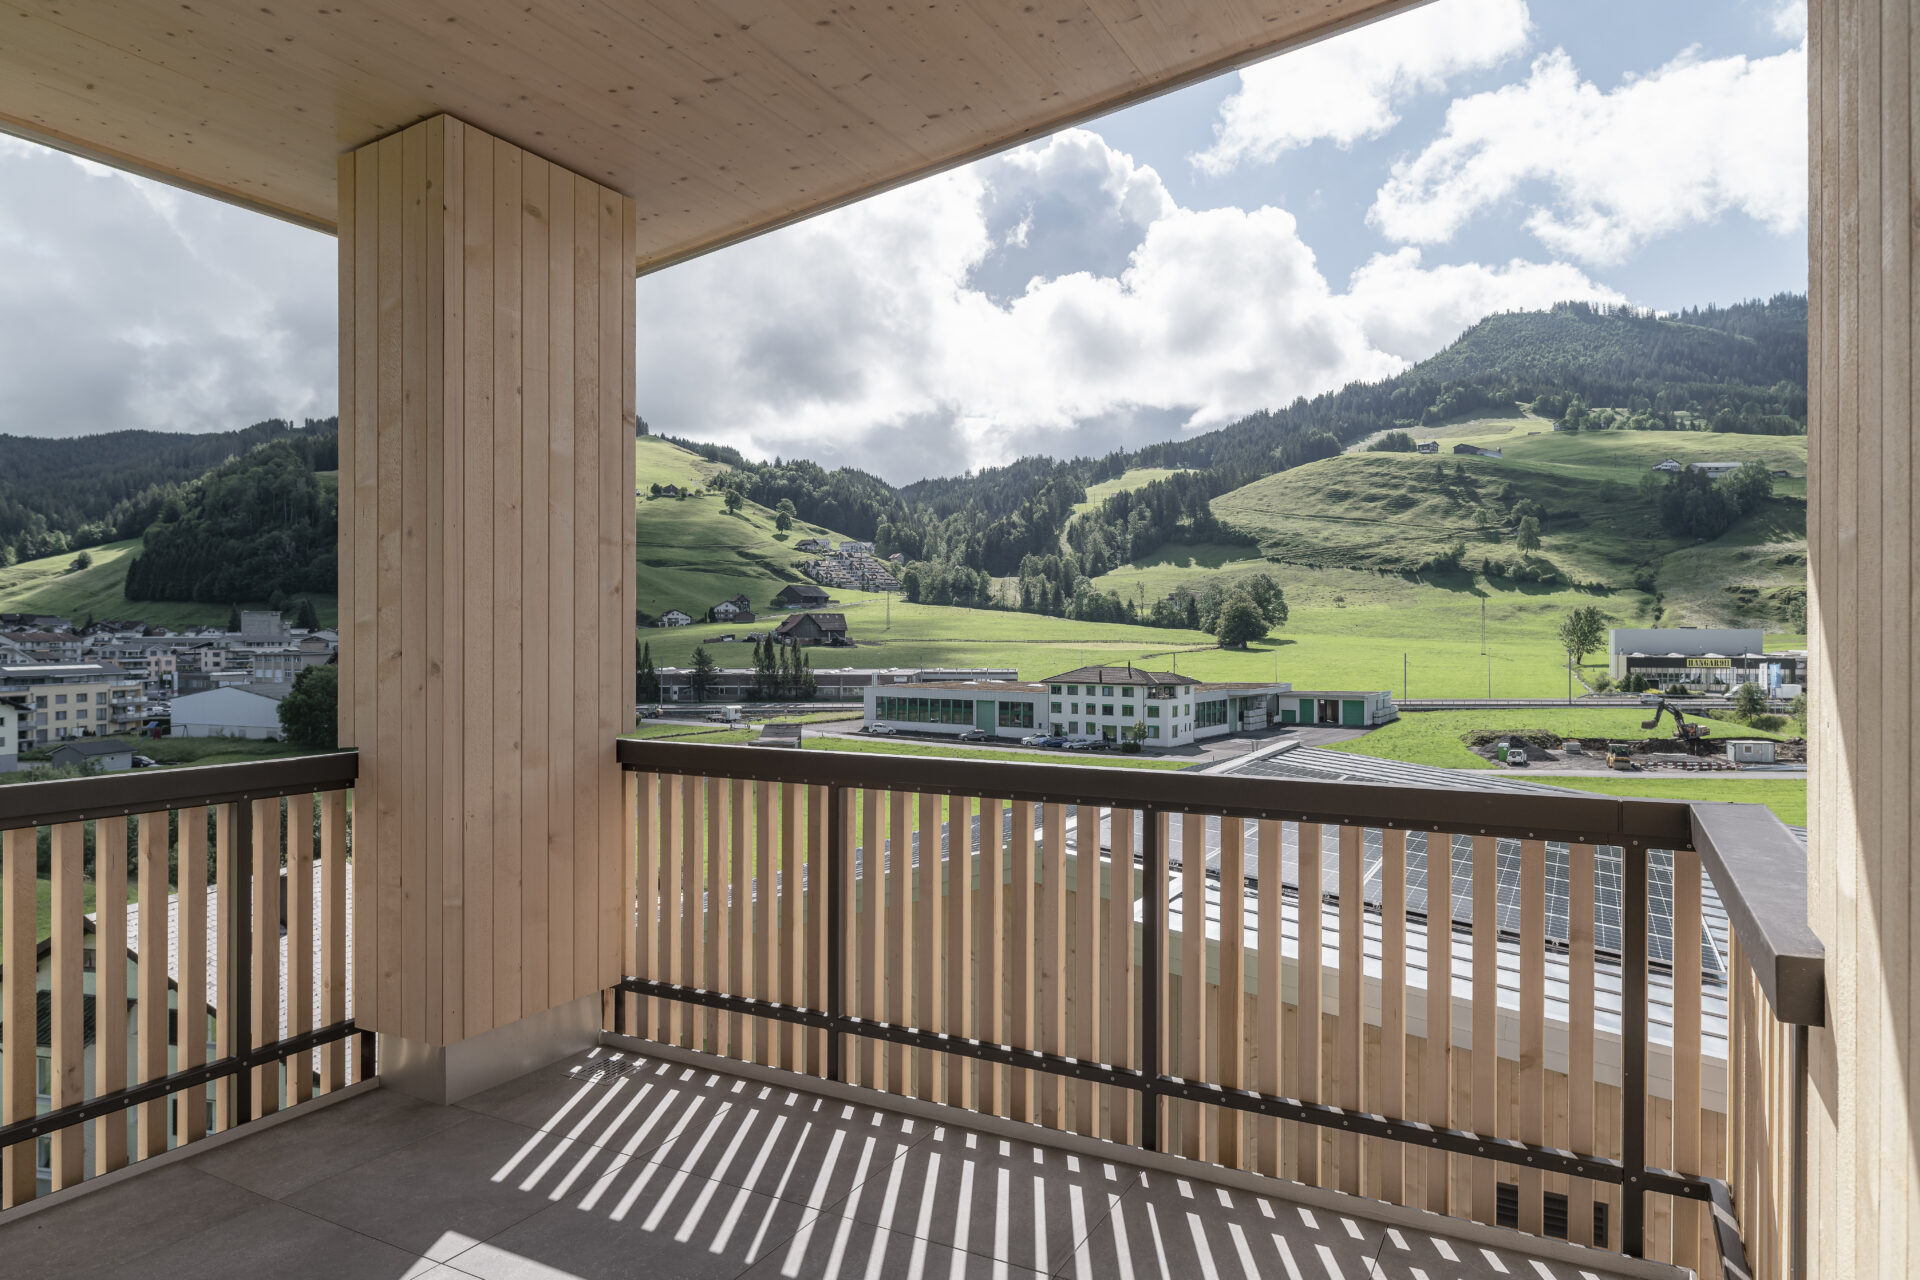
(1582,631)
(1241,622)
(310,713)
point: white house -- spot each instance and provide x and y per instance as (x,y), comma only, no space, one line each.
(674,618)
(1713,470)
(1668,465)
(232,711)
(9,736)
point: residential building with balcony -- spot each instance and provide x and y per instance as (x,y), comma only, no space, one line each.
(72,699)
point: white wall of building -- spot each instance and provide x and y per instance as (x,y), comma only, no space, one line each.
(226,713)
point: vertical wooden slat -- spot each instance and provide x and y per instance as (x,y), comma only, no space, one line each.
(692,888)
(110,983)
(1191,1058)
(1390,1094)
(19,1055)
(765,915)
(508,575)
(1122,1022)
(713,915)
(68,977)
(300,940)
(964,851)
(562,764)
(153,971)
(898,878)
(537,639)
(1088,963)
(333,933)
(791,966)
(1231,1035)
(1159,1057)
(190,993)
(360,433)
(478,671)
(1022,921)
(1269,983)
(930,951)
(386,760)
(1312,997)
(447,875)
(1437,1104)
(613,482)
(590,359)
(673,858)
(816,920)
(266,949)
(1533,1023)
(870,908)
(989,953)
(1687,1152)
(1580,997)
(739,921)
(411,607)
(227,855)
(427,477)
(1353,1016)
(1050,968)
(1486,1007)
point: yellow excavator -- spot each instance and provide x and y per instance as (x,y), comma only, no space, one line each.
(1691,737)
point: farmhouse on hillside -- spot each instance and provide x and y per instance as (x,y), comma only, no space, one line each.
(736,609)
(1476,451)
(1668,465)
(674,618)
(805,629)
(801,595)
(1427,446)
(1714,470)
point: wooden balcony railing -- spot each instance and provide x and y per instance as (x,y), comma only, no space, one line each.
(143,1018)
(1117,953)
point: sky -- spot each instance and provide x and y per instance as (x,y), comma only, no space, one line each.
(1336,213)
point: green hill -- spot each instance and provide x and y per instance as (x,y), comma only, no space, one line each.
(47,585)
(692,552)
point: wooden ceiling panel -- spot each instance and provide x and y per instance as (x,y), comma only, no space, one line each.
(722,118)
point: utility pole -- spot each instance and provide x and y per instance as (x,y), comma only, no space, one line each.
(1403,677)
(1569,677)
(1483,626)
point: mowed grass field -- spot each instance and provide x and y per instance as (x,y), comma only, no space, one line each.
(1787,797)
(1137,478)
(47,586)
(1434,737)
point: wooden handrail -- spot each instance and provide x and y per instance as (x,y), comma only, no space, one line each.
(155,790)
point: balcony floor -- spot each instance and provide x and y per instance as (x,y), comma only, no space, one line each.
(615,1165)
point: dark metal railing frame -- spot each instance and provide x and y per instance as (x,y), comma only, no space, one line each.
(1634,826)
(37,804)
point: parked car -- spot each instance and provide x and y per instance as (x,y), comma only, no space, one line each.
(143,762)
(976,735)
(1084,743)
(1037,740)
(1053,740)
(881,729)
(1651,696)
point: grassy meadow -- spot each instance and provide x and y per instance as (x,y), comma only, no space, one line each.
(47,586)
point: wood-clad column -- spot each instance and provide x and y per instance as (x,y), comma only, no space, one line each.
(1863,1109)
(486,576)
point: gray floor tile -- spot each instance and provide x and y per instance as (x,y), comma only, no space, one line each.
(645,1218)
(433,1197)
(1025,1204)
(839,1246)
(146,1212)
(269,1240)
(277,1162)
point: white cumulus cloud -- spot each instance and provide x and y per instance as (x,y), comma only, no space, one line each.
(1350,87)
(866,336)
(1601,172)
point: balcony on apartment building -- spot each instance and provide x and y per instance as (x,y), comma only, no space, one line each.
(881,1015)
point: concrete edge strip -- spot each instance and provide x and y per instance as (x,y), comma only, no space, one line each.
(186,1151)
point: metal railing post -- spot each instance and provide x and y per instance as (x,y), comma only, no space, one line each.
(1154,907)
(237,900)
(1633,1040)
(836,926)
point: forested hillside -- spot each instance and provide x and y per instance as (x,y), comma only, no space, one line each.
(262,527)
(62,495)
